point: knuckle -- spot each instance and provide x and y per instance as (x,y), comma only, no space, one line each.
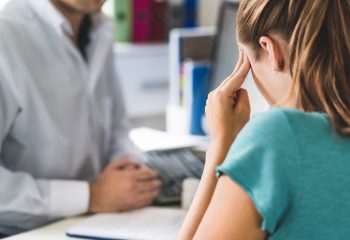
(157,183)
(149,171)
(243,92)
(147,174)
(240,108)
(132,185)
(155,194)
(153,173)
(219,94)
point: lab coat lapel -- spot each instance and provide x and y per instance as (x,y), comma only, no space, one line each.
(102,39)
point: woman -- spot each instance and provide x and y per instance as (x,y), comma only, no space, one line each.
(286,175)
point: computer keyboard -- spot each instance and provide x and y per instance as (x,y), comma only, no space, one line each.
(173,167)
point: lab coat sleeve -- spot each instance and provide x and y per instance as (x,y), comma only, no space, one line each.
(26,202)
(121,144)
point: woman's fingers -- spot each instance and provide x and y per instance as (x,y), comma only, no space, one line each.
(240,61)
(236,81)
(237,67)
(243,105)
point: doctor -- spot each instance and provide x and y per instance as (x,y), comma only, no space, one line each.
(63,129)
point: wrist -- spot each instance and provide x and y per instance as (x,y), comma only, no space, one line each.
(92,201)
(222,143)
(224,136)
(217,152)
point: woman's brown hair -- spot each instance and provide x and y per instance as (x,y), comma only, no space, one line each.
(318,33)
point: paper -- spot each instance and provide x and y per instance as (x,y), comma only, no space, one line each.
(151,223)
(148,139)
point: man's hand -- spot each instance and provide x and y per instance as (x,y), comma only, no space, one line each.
(123,185)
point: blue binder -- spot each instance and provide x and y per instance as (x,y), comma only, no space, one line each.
(190,13)
(197,81)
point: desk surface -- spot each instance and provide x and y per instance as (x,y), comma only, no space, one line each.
(54,231)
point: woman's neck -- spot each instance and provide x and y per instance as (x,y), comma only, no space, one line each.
(290,101)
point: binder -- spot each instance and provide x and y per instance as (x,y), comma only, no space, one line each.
(194,43)
(196,93)
(175,14)
(190,13)
(142,21)
(122,16)
(158,21)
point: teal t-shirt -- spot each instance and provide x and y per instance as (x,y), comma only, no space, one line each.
(296,170)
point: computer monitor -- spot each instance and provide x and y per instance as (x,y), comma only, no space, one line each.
(226,54)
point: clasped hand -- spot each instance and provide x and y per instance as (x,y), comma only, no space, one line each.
(123,185)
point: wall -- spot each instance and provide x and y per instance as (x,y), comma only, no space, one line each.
(3,3)
(209,10)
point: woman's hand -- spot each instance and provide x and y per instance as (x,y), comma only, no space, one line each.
(228,107)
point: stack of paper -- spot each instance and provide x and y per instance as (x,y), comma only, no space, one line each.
(148,139)
(151,223)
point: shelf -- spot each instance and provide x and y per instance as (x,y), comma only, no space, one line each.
(143,70)
(141,50)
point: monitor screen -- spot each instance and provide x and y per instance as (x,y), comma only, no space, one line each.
(226,54)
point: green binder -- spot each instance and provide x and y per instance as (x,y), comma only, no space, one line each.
(122,16)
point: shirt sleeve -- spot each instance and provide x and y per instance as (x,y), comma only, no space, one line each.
(26,202)
(76,195)
(263,162)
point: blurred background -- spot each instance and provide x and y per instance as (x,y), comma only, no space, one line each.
(147,90)
(164,51)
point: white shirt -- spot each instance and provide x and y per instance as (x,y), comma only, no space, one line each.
(62,120)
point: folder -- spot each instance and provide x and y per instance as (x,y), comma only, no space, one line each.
(158,20)
(186,43)
(195,44)
(190,13)
(142,20)
(196,93)
(175,14)
(122,16)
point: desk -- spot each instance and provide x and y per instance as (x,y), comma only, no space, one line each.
(56,230)
(53,231)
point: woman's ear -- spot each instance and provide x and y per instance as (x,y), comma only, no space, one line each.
(274,53)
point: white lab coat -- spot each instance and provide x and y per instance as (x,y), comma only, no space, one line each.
(62,120)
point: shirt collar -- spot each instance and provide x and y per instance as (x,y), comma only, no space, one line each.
(48,13)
